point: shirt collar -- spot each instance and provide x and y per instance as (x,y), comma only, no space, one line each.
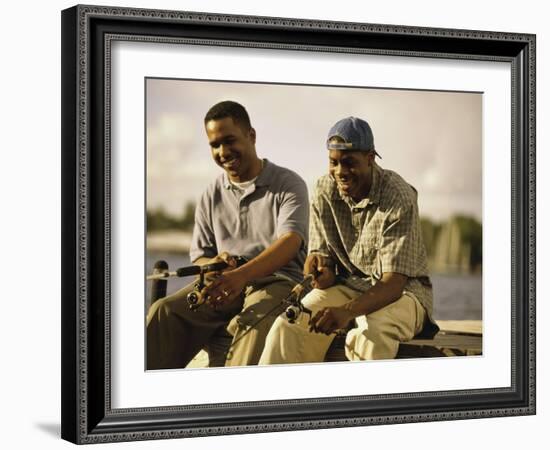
(263,179)
(266,176)
(376,188)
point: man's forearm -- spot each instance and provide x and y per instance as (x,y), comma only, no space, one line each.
(383,293)
(277,255)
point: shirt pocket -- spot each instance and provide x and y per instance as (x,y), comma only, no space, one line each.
(371,263)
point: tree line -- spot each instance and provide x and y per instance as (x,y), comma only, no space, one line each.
(453,245)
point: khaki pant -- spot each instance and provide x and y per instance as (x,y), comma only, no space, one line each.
(175,334)
(377,335)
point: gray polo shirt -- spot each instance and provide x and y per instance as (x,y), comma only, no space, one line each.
(246,222)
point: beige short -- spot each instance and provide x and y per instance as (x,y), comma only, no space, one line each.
(377,336)
(175,334)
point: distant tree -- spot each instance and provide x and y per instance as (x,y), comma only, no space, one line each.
(472,232)
(430,232)
(159,219)
(188,217)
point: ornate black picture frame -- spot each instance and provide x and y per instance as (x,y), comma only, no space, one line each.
(87,35)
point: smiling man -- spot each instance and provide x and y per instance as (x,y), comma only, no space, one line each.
(254,209)
(368,257)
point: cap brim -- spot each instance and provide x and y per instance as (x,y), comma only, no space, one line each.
(348,146)
(339,146)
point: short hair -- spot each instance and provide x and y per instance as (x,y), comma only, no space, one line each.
(231,109)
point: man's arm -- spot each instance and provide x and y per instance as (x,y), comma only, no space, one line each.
(277,255)
(386,291)
(229,285)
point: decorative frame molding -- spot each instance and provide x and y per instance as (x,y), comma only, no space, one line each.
(87,34)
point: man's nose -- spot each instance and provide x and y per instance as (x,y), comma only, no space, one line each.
(339,170)
(224,150)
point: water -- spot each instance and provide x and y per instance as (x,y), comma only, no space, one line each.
(175,261)
(456,297)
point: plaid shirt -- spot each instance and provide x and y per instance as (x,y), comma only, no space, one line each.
(379,234)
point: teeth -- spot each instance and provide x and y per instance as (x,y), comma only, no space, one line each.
(229,162)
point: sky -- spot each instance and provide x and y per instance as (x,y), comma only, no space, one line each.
(432,139)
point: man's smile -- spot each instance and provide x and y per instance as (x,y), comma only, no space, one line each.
(232,163)
(345,184)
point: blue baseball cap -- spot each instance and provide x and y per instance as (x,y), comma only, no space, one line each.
(356,134)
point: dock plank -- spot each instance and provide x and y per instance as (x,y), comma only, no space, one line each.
(461,326)
(456,338)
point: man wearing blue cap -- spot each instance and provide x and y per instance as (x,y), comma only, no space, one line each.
(368,257)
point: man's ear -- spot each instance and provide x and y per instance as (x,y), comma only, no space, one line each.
(252,134)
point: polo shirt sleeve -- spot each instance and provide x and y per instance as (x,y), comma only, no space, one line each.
(293,213)
(402,247)
(203,241)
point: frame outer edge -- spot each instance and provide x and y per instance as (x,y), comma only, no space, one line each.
(84,180)
(298,23)
(525,226)
(69,290)
(531,149)
(75,216)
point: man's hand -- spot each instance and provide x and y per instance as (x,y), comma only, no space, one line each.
(322,269)
(225,288)
(222,257)
(226,285)
(329,320)
(226,258)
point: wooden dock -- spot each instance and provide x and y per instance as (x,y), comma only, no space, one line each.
(455,338)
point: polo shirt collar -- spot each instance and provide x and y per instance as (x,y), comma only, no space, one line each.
(264,178)
(266,175)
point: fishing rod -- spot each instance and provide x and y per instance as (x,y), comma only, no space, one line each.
(293,309)
(195,269)
(195,298)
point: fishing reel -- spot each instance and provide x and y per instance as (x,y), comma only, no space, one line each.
(293,313)
(196,298)
(296,308)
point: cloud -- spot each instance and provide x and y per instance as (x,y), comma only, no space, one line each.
(170,130)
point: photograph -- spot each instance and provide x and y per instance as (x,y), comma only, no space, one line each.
(294,223)
(275,225)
